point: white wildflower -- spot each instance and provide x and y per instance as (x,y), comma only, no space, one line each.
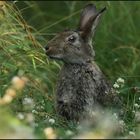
(134,111)
(136,105)
(35,124)
(42,107)
(117,91)
(120,80)
(52,121)
(92,113)
(137,116)
(34,111)
(116,85)
(47,116)
(79,127)
(20,116)
(78,122)
(121,126)
(69,133)
(139,98)
(115,115)
(27,101)
(131,133)
(121,122)
(116,59)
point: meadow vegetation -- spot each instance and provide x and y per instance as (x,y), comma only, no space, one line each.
(28,77)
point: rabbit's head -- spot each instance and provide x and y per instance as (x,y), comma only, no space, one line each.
(74,46)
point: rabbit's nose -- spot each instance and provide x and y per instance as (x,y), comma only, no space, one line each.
(46,48)
(62,102)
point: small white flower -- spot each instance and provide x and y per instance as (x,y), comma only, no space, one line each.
(35,124)
(134,111)
(137,116)
(69,133)
(92,113)
(131,133)
(34,111)
(79,127)
(120,80)
(139,98)
(42,107)
(47,116)
(78,122)
(115,115)
(20,116)
(116,85)
(117,91)
(136,105)
(121,122)
(27,101)
(52,121)
(116,59)
(42,101)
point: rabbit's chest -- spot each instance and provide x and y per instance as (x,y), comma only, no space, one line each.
(78,90)
(78,76)
(76,84)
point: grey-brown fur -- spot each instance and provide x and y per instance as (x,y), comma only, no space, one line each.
(81,85)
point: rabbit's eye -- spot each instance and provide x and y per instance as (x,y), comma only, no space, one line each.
(72,39)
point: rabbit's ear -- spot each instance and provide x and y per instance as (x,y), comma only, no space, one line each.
(89,20)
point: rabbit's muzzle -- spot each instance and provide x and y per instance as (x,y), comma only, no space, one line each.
(46,48)
(53,53)
(49,51)
(62,102)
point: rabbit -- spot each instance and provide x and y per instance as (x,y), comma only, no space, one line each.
(81,85)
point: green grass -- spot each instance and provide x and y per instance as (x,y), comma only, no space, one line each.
(25,30)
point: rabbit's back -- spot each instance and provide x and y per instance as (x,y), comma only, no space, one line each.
(80,87)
